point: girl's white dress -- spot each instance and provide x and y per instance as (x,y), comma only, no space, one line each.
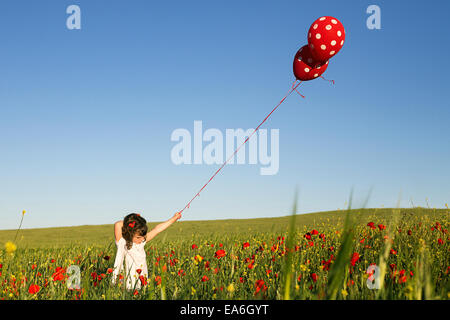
(134,259)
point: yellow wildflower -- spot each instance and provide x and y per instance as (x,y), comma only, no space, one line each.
(10,247)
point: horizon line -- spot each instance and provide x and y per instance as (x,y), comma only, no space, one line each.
(312,212)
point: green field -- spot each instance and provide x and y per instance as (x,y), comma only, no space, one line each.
(284,259)
(100,235)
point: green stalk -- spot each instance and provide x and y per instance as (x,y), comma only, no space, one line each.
(17,232)
(287,268)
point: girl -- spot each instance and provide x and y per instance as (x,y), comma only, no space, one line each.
(131,236)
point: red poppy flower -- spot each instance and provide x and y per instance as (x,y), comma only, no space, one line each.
(110,270)
(220,253)
(260,286)
(205,278)
(259,283)
(194,246)
(371,225)
(314,277)
(34,288)
(440,241)
(158,280)
(143,280)
(381,227)
(308,236)
(355,258)
(59,274)
(314,232)
(245,245)
(181,272)
(139,271)
(393,251)
(132,224)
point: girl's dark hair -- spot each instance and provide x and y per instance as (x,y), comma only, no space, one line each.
(133,224)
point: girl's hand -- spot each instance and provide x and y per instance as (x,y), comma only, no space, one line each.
(176,216)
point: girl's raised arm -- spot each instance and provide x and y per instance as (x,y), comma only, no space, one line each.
(118,230)
(162,226)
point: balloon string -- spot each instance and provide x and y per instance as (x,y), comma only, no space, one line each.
(332,81)
(300,94)
(294,87)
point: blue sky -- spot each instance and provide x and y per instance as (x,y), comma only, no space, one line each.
(86,115)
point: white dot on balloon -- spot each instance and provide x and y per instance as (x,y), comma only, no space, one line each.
(299,58)
(315,26)
(333,21)
(339,33)
(316,75)
(323,47)
(333,42)
(331,53)
(318,36)
(321,19)
(342,42)
(328,27)
(306,69)
(326,62)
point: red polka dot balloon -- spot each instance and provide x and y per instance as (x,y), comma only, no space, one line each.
(326,37)
(306,67)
